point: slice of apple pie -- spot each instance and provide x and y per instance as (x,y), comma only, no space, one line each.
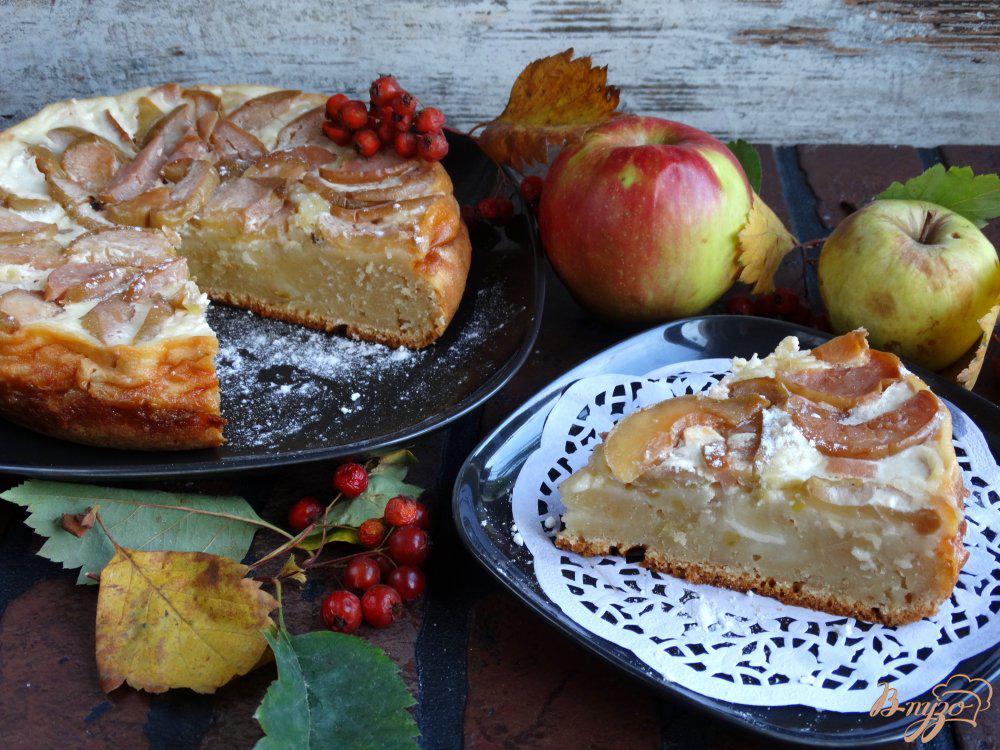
(823,478)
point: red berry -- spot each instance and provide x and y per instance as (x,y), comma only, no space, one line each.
(486,209)
(371,533)
(409,545)
(429,120)
(381,113)
(423,519)
(764,306)
(353,114)
(432,146)
(384,89)
(350,479)
(408,581)
(387,133)
(785,300)
(531,189)
(341,612)
(385,566)
(740,306)
(367,142)
(362,573)
(406,145)
(303,513)
(497,210)
(382,606)
(333,105)
(401,123)
(800,314)
(400,511)
(337,133)
(404,103)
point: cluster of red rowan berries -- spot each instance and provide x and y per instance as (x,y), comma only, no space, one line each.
(391,120)
(390,573)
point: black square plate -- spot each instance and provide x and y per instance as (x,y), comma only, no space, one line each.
(482,510)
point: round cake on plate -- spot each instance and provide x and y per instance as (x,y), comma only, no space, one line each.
(121,216)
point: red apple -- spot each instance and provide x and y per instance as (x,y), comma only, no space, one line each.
(640,218)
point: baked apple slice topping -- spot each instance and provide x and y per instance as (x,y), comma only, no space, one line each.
(885,435)
(143,172)
(137,247)
(16,230)
(240,204)
(19,307)
(41,254)
(844,386)
(643,436)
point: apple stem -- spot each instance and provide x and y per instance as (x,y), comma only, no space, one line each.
(925,230)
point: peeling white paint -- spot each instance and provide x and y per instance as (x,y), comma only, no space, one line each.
(808,71)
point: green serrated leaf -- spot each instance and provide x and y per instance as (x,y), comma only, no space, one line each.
(384,482)
(976,197)
(137,519)
(749,159)
(318,702)
(313,541)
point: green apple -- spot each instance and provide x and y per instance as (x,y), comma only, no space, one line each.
(916,275)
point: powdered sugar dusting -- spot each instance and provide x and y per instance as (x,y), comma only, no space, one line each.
(283,384)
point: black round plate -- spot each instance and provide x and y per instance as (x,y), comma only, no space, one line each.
(482,511)
(292,395)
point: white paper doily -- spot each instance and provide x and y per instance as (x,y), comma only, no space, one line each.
(740,647)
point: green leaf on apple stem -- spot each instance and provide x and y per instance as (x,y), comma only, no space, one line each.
(976,197)
(334,691)
(749,159)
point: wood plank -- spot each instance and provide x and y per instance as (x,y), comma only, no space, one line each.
(48,681)
(530,689)
(786,72)
(845,177)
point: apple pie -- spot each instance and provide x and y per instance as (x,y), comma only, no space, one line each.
(823,478)
(120,217)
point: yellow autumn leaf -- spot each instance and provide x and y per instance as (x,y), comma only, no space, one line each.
(553,101)
(178,619)
(761,244)
(968,376)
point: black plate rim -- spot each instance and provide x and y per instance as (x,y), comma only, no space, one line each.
(496,563)
(379,444)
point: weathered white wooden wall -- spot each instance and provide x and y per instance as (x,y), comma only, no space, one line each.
(782,71)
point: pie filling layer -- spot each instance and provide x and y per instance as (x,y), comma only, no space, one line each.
(855,509)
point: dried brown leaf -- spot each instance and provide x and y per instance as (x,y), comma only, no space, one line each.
(79,524)
(553,101)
